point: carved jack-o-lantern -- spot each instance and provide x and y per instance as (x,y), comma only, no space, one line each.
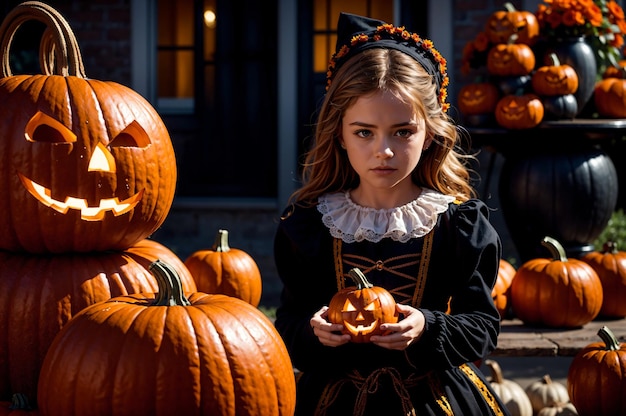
(519,111)
(555,79)
(501,24)
(510,59)
(87,165)
(362,309)
(478,98)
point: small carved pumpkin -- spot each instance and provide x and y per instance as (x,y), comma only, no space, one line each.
(510,59)
(557,292)
(596,380)
(478,98)
(227,271)
(555,79)
(519,111)
(362,308)
(88,164)
(610,97)
(610,264)
(511,393)
(501,24)
(168,353)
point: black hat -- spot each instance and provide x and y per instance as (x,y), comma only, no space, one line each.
(358,33)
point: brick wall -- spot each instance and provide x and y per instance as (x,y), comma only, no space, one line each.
(469,19)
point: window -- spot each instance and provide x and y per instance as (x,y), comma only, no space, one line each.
(216,88)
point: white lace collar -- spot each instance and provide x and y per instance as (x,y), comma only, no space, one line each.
(352,222)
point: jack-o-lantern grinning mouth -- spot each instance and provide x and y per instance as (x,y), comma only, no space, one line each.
(87,213)
(361,329)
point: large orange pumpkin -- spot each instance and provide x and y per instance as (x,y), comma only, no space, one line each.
(557,292)
(168,354)
(361,309)
(87,165)
(39,294)
(227,271)
(610,264)
(596,380)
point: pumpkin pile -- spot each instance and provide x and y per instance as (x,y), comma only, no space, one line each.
(89,172)
(516,89)
(543,397)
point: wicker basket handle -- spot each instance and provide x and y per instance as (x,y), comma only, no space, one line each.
(58,50)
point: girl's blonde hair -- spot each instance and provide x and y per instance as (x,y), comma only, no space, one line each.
(442,167)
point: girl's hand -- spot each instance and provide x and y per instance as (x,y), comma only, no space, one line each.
(403,333)
(328,334)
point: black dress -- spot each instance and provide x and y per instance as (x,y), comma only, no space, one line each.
(448,274)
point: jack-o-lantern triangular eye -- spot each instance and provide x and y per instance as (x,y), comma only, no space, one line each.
(348,306)
(132,136)
(43,128)
(371,306)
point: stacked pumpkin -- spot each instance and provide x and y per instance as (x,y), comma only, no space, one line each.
(517,90)
(595,384)
(89,174)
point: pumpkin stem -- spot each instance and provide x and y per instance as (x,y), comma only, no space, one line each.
(555,59)
(509,7)
(19,401)
(612,344)
(221,242)
(547,379)
(496,371)
(170,286)
(58,50)
(359,279)
(556,249)
(513,38)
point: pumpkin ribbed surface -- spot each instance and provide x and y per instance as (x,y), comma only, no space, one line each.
(69,119)
(39,294)
(610,264)
(217,356)
(596,380)
(558,292)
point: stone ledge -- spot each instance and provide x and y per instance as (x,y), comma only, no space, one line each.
(519,340)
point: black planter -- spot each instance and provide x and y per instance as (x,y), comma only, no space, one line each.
(565,193)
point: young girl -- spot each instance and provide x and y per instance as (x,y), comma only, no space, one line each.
(387,190)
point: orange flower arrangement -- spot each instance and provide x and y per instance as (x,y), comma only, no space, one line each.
(475,53)
(602,22)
